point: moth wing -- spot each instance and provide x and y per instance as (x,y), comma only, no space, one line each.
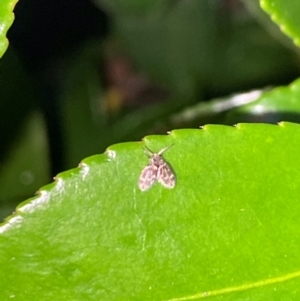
(148,177)
(165,176)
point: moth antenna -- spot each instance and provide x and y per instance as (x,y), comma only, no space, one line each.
(148,152)
(164,149)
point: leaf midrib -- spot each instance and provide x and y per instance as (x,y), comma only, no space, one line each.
(239,288)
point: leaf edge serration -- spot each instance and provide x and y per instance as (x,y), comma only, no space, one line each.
(43,194)
(280,22)
(9,16)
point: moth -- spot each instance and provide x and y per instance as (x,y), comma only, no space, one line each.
(157,170)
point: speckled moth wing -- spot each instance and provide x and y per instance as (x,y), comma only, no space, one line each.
(148,177)
(165,176)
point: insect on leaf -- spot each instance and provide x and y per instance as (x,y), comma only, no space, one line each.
(157,170)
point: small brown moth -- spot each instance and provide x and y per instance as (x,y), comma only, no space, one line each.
(157,170)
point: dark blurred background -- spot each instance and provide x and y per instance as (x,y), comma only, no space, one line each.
(81,75)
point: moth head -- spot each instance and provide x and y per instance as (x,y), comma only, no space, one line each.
(151,154)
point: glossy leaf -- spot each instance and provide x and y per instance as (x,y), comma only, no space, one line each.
(286,15)
(6,19)
(255,8)
(279,104)
(27,166)
(229,229)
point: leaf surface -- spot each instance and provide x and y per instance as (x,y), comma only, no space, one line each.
(6,19)
(286,15)
(230,229)
(281,103)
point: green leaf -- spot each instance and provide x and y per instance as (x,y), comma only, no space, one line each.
(212,111)
(286,15)
(229,229)
(264,19)
(19,177)
(281,103)
(83,135)
(6,19)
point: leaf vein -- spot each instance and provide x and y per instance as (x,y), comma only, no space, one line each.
(239,288)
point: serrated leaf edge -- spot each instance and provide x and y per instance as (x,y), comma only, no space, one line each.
(279,21)
(6,25)
(43,194)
